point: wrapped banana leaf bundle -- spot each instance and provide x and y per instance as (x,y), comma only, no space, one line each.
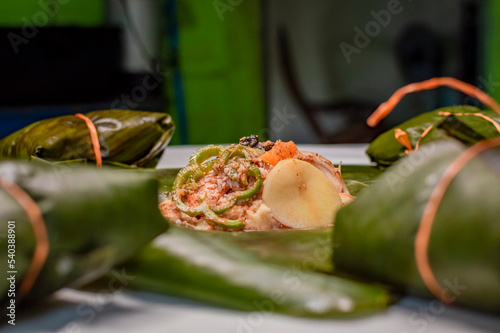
(134,138)
(464,123)
(430,225)
(286,271)
(467,124)
(63,226)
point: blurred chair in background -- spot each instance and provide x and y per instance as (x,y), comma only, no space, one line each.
(351,114)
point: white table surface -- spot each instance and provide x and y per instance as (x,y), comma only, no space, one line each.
(75,311)
(354,154)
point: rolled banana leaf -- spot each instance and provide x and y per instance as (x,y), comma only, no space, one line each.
(375,235)
(134,138)
(194,264)
(385,149)
(95,219)
(277,271)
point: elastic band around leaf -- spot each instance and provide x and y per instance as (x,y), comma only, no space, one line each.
(477,114)
(424,133)
(94,137)
(425,228)
(39,229)
(385,108)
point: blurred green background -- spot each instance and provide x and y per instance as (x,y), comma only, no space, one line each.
(218,66)
(84,13)
(220,62)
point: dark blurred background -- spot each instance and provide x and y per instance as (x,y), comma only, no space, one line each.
(309,71)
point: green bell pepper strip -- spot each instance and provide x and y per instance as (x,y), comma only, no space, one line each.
(233,150)
(226,223)
(191,173)
(180,180)
(204,153)
(242,195)
(199,166)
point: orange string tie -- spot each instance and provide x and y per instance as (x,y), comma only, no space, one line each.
(94,137)
(39,229)
(385,108)
(424,133)
(497,125)
(403,139)
(424,231)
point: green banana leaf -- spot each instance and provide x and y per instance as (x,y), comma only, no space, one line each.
(94,219)
(375,234)
(195,264)
(385,149)
(127,137)
(278,271)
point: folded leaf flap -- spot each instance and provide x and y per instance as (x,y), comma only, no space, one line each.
(457,129)
(196,265)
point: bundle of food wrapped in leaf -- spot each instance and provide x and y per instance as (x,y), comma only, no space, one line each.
(465,123)
(436,229)
(112,136)
(66,227)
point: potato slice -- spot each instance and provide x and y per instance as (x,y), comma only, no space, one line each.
(346,198)
(300,195)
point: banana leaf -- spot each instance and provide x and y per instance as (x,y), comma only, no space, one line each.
(375,235)
(127,137)
(277,271)
(385,149)
(195,264)
(94,219)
